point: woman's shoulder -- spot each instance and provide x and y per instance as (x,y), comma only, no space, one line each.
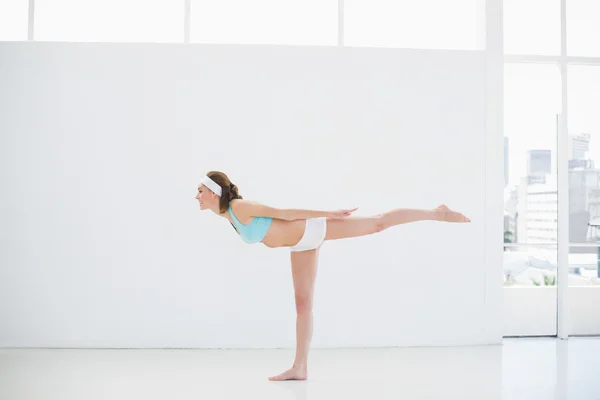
(243,203)
(246,209)
(251,208)
(238,203)
(241,207)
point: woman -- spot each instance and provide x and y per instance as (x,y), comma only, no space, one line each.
(303,231)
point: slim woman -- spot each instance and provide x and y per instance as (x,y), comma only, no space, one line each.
(303,231)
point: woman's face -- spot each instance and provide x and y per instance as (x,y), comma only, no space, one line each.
(206,198)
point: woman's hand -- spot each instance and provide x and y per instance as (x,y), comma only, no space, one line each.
(342,213)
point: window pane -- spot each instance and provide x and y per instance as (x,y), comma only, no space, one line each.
(584,155)
(531,102)
(285,22)
(530,284)
(583,28)
(584,290)
(14,18)
(584,198)
(109,20)
(426,24)
(532,27)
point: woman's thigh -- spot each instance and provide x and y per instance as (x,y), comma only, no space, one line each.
(342,228)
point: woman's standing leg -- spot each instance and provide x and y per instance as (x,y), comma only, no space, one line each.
(304,273)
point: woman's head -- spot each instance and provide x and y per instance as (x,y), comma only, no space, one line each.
(216,192)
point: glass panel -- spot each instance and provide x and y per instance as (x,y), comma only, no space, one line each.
(530,266)
(584,290)
(532,102)
(584,154)
(109,20)
(583,29)
(530,293)
(426,24)
(584,198)
(14,18)
(285,22)
(532,27)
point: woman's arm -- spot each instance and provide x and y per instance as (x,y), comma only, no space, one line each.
(294,214)
(256,209)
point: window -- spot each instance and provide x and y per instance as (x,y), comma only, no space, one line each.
(426,24)
(583,29)
(531,102)
(284,22)
(584,154)
(14,20)
(532,27)
(109,20)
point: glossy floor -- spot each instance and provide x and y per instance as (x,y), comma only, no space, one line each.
(529,369)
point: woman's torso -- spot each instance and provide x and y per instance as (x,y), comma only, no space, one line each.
(280,233)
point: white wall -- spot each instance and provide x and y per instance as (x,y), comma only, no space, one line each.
(103,145)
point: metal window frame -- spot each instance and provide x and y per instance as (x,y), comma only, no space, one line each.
(31,20)
(562,61)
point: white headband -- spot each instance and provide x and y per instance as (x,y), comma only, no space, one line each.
(212,185)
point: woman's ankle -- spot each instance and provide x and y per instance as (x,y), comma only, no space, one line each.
(301,365)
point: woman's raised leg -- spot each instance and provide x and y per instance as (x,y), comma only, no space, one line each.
(304,273)
(341,228)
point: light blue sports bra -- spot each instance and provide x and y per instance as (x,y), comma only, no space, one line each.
(254,231)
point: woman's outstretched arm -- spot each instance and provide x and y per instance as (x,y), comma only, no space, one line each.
(255,209)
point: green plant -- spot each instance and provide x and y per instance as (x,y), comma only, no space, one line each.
(549,280)
(509,281)
(508,238)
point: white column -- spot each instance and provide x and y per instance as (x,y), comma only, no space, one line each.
(563,191)
(340,22)
(31,20)
(494,171)
(186,20)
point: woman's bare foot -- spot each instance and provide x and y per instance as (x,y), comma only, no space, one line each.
(294,373)
(449,215)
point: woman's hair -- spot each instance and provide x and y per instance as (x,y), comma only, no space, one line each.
(230,191)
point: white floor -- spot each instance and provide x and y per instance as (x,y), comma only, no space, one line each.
(519,369)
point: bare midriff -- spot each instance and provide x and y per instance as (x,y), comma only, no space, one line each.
(284,233)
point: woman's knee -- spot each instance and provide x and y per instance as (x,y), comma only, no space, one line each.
(380,223)
(303,304)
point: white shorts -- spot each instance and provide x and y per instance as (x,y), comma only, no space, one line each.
(314,234)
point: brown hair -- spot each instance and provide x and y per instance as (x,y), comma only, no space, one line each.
(230,191)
